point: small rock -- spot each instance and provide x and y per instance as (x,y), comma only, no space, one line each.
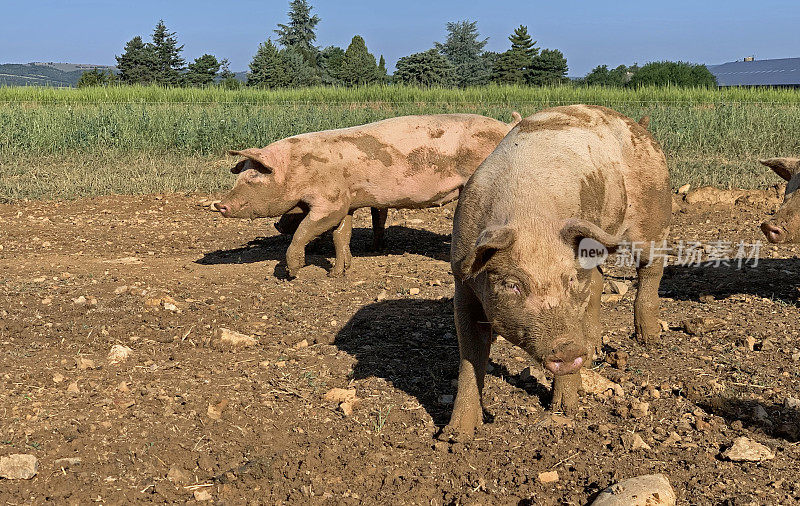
(230,338)
(618,359)
(214,411)
(202,495)
(707,299)
(664,325)
(760,413)
(634,442)
(67,462)
(178,476)
(347,408)
(79,301)
(639,409)
(548,477)
(792,403)
(302,344)
(121,289)
(340,395)
(750,343)
(618,287)
(413,291)
(382,296)
(593,383)
(610,298)
(73,388)
(85,363)
(684,189)
(745,449)
(647,490)
(534,373)
(673,438)
(58,377)
(18,466)
(119,353)
(701,325)
(767,345)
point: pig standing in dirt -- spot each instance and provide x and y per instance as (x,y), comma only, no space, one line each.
(785,225)
(404,162)
(561,179)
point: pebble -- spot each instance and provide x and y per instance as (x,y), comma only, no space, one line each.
(18,466)
(119,353)
(202,495)
(227,337)
(639,409)
(701,325)
(634,442)
(647,490)
(413,291)
(533,373)
(593,383)
(340,395)
(745,449)
(792,403)
(548,477)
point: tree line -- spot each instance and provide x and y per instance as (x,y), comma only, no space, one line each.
(294,60)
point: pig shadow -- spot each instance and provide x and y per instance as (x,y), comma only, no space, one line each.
(772,278)
(411,344)
(774,420)
(399,240)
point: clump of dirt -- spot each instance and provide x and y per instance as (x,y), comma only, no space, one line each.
(181,417)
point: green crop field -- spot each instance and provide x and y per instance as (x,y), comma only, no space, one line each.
(66,143)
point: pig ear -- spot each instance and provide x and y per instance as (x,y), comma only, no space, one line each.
(784,167)
(262,164)
(489,242)
(576,229)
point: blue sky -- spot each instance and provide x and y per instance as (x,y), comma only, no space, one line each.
(589,33)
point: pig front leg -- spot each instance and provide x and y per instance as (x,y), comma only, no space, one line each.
(474,342)
(341,241)
(591,324)
(645,307)
(378,228)
(314,224)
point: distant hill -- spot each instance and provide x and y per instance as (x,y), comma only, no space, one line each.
(54,74)
(44,74)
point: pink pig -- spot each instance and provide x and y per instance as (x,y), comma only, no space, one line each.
(405,162)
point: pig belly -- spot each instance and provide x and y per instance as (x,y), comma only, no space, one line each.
(416,193)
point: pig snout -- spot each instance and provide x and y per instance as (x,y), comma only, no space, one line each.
(774,233)
(223,208)
(565,357)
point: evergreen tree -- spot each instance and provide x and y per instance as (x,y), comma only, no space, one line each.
(602,76)
(463,49)
(330,62)
(227,79)
(96,77)
(298,71)
(521,41)
(425,69)
(268,68)
(548,68)
(169,64)
(202,71)
(383,73)
(137,63)
(358,65)
(299,33)
(512,66)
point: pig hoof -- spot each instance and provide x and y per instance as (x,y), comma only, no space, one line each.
(455,434)
(565,393)
(336,273)
(645,336)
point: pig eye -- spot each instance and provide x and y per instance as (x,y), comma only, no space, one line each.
(512,285)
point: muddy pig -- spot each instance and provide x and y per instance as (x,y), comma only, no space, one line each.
(404,162)
(563,184)
(785,225)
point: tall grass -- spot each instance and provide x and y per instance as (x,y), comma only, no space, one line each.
(64,143)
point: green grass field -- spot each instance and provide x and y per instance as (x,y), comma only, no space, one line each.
(66,143)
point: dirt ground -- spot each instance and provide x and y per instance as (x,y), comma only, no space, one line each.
(184,418)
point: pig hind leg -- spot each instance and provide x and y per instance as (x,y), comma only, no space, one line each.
(474,342)
(378,228)
(312,226)
(341,240)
